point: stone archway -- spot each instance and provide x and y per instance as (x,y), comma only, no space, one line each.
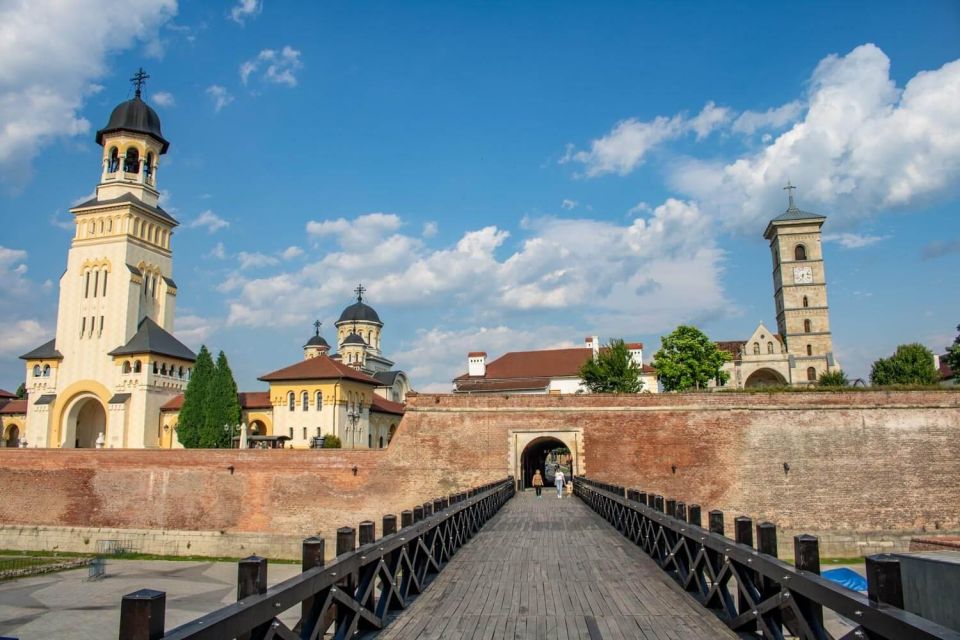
(13,436)
(765,378)
(84,422)
(534,456)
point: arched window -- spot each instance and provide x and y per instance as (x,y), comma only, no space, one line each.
(806,301)
(156,368)
(148,167)
(756,348)
(137,366)
(126,366)
(180,373)
(807,326)
(381,442)
(46,371)
(163,369)
(291,402)
(114,162)
(319,400)
(769,347)
(36,371)
(800,252)
(96,282)
(809,349)
(131,161)
(304,401)
(811,374)
(86,286)
(370,441)
(105,282)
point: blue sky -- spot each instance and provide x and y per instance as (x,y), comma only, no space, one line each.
(500,176)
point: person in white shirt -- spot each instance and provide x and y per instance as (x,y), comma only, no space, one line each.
(558,480)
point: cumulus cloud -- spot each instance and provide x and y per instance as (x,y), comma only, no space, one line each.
(219,252)
(291,252)
(245,9)
(429,229)
(209,221)
(863,145)
(220,96)
(163,99)
(357,233)
(853,240)
(193,329)
(19,332)
(276,67)
(568,204)
(749,122)
(53,54)
(255,259)
(710,118)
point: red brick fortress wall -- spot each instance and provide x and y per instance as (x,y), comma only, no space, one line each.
(887,464)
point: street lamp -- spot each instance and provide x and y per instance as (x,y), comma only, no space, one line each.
(229,429)
(354,416)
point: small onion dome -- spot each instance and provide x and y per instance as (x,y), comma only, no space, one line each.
(317,341)
(353,338)
(359,312)
(135,116)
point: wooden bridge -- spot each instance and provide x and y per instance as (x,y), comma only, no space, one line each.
(606,564)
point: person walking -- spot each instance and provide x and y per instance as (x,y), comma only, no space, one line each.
(558,480)
(538,482)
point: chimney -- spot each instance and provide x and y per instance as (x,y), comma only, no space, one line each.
(593,342)
(477,364)
(636,352)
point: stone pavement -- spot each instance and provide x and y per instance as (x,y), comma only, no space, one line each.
(65,605)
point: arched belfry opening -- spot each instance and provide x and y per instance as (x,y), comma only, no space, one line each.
(85,422)
(546,454)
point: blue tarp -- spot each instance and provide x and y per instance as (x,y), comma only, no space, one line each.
(846,578)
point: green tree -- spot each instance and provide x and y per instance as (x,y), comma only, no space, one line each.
(22,390)
(953,355)
(909,364)
(612,371)
(222,407)
(833,379)
(331,442)
(688,359)
(193,413)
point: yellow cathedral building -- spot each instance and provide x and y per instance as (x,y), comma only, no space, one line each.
(114,374)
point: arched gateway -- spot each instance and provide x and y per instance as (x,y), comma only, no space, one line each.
(765,378)
(535,455)
(84,422)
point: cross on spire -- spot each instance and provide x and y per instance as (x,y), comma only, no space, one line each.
(360,290)
(317,325)
(139,79)
(789,189)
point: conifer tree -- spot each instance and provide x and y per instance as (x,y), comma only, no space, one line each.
(222,406)
(22,390)
(193,412)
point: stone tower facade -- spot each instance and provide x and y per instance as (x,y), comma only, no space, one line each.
(800,291)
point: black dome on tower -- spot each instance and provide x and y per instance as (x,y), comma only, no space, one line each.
(358,311)
(135,116)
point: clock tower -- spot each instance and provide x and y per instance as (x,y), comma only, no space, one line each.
(800,291)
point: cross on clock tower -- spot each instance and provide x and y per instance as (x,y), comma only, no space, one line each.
(800,291)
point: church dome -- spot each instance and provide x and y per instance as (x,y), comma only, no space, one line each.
(359,312)
(353,338)
(137,116)
(316,341)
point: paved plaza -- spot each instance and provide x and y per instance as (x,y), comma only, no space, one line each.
(66,605)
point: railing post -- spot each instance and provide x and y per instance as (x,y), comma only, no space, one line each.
(884,584)
(368,532)
(406,518)
(346,540)
(767,544)
(671,507)
(418,513)
(806,555)
(312,555)
(437,505)
(681,511)
(658,503)
(389,524)
(715,519)
(694,516)
(743,534)
(142,615)
(252,581)
(427,509)
(642,497)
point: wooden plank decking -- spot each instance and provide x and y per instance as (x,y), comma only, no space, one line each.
(549,568)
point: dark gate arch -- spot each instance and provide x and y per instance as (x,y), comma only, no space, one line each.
(534,456)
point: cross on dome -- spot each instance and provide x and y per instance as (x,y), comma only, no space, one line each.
(360,290)
(139,79)
(317,324)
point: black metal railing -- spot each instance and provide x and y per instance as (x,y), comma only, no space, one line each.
(356,592)
(770,598)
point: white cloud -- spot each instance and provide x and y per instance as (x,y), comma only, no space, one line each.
(862,146)
(21,336)
(163,99)
(429,229)
(568,204)
(360,232)
(245,9)
(279,67)
(291,252)
(775,118)
(710,117)
(208,220)
(19,333)
(194,330)
(853,240)
(52,55)
(623,149)
(255,260)
(219,251)
(220,96)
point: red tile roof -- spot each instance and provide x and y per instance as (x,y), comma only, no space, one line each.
(14,407)
(382,405)
(248,400)
(733,347)
(550,363)
(321,367)
(6,394)
(476,354)
(634,345)
(466,385)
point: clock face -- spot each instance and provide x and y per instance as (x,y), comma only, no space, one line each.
(802,275)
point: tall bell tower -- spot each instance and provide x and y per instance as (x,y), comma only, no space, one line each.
(800,291)
(114,360)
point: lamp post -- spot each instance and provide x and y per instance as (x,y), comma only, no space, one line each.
(229,429)
(354,416)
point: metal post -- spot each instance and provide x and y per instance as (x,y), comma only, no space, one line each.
(252,581)
(406,518)
(767,544)
(806,554)
(312,555)
(694,516)
(346,540)
(142,615)
(427,509)
(681,512)
(389,524)
(642,497)
(658,503)
(743,534)
(437,505)
(715,518)
(368,532)
(418,513)
(671,507)
(884,585)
